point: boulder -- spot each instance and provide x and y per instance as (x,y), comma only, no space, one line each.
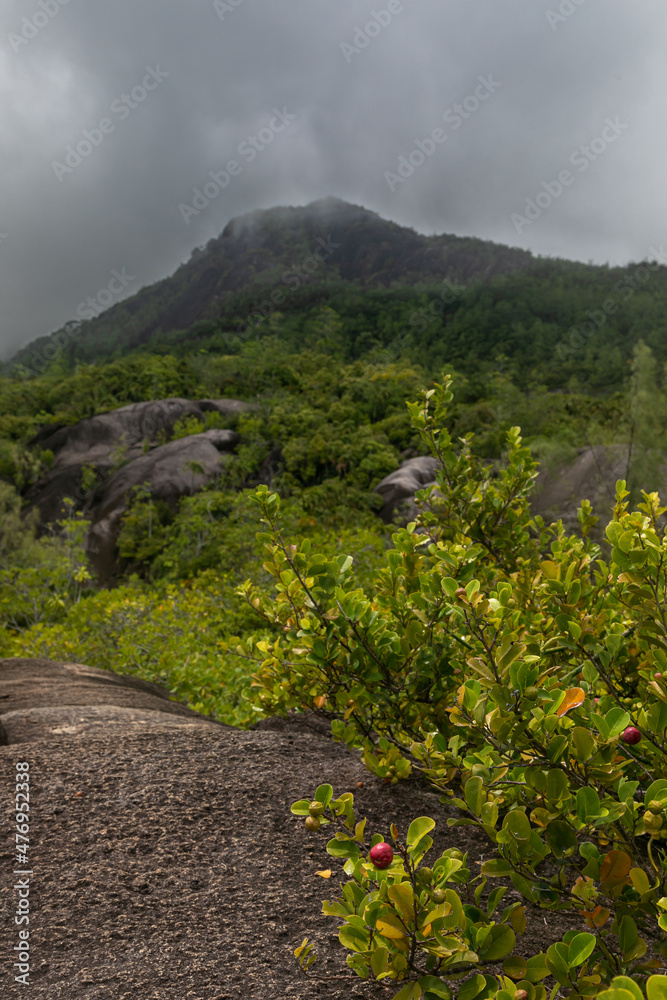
(592,475)
(126,448)
(107,441)
(125,433)
(169,472)
(398,488)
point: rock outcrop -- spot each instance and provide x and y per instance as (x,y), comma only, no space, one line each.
(398,488)
(41,699)
(126,448)
(164,859)
(168,472)
(559,489)
(592,475)
(130,428)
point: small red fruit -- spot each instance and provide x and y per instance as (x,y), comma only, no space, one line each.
(631,735)
(381,855)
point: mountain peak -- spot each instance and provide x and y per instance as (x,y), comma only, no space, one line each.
(327,209)
(326,243)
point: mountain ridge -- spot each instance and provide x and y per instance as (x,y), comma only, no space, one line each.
(273,249)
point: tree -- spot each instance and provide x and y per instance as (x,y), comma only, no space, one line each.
(647,419)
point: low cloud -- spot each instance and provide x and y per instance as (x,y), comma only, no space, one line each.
(564,68)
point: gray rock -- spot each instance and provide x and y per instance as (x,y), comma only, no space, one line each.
(130,430)
(398,488)
(125,449)
(44,699)
(165,853)
(169,472)
(591,476)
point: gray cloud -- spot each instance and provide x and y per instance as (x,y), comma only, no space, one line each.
(368,84)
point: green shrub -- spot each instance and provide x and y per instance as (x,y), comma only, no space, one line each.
(40,579)
(524,676)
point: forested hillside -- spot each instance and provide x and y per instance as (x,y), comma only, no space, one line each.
(280,258)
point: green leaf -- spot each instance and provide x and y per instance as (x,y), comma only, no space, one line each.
(537,968)
(617,720)
(435,986)
(656,988)
(657,791)
(495,899)
(556,748)
(628,936)
(409,992)
(557,786)
(588,804)
(584,744)
(616,993)
(497,867)
(523,886)
(402,896)
(518,824)
(625,983)
(515,967)
(561,838)
(301,807)
(581,947)
(472,988)
(324,794)
(557,959)
(474,794)
(418,829)
(499,943)
(343,849)
(380,961)
(302,946)
(353,938)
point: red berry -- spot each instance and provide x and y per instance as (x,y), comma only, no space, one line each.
(631,735)
(381,855)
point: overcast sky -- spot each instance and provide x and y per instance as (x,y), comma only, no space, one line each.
(112,113)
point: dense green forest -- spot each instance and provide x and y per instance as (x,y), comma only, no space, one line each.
(562,325)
